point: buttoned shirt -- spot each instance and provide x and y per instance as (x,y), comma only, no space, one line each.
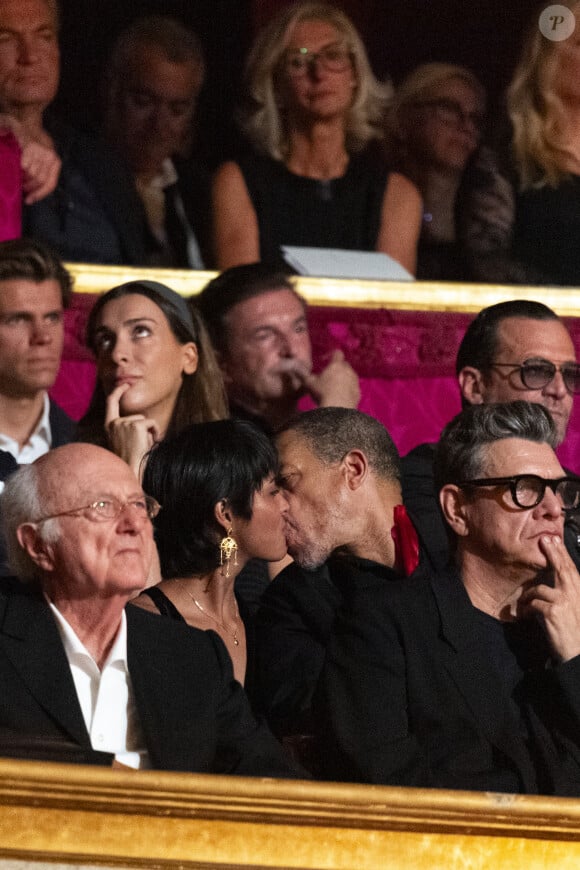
(39,442)
(106,696)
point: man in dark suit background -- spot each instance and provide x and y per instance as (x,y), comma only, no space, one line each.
(93,213)
(85,679)
(153,81)
(469,679)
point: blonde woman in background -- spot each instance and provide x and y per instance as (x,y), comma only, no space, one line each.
(314,109)
(544,107)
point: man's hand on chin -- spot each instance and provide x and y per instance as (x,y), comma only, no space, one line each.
(337,385)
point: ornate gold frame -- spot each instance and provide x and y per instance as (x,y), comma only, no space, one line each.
(84,815)
(415,295)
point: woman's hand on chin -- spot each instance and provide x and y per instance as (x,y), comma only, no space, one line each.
(130,437)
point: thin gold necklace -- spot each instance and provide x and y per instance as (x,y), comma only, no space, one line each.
(205,612)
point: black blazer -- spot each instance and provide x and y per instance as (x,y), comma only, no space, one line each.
(293,627)
(106,176)
(194,715)
(407,697)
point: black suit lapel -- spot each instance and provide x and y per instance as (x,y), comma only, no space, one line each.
(30,640)
(475,678)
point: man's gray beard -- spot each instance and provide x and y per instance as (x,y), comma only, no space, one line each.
(311,558)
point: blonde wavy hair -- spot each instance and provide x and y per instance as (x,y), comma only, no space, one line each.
(422,83)
(537,112)
(262,119)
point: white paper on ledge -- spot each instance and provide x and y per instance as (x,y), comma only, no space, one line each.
(338,263)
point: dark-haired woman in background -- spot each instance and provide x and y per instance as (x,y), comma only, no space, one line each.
(156,370)
(220,507)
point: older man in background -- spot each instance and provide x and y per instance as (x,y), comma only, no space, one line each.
(155,74)
(258,325)
(93,213)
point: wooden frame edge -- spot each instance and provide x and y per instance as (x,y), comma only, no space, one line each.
(402,295)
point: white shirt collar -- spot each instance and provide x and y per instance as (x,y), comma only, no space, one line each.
(75,648)
(39,442)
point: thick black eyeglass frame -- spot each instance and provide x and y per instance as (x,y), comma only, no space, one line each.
(570,372)
(512,482)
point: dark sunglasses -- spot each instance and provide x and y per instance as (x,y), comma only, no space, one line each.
(538,373)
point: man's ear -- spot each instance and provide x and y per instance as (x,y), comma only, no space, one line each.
(355,467)
(32,542)
(225,367)
(453,503)
(223,514)
(471,385)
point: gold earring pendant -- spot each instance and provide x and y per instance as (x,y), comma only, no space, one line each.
(228,548)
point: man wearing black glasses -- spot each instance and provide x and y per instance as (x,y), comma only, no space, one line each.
(470,678)
(513,350)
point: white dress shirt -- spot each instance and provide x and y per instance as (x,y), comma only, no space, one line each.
(106,696)
(37,445)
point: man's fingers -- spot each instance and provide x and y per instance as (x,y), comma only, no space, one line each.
(559,559)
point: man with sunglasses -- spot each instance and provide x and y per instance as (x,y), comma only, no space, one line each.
(513,350)
(470,678)
(86,679)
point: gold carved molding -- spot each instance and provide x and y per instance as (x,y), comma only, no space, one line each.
(74,814)
(403,295)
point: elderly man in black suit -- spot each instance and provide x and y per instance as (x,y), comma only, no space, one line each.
(470,679)
(83,677)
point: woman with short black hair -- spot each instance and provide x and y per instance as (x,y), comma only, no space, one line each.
(221,506)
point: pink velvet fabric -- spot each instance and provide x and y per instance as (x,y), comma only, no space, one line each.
(10,187)
(405,360)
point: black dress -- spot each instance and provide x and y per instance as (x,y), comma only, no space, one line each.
(547,229)
(291,209)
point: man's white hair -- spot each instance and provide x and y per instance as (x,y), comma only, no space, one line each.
(21,502)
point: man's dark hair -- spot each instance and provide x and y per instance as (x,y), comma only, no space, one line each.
(178,43)
(28,260)
(479,345)
(332,432)
(236,285)
(460,452)
(188,474)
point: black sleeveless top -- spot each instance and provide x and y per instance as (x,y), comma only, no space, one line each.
(343,212)
(164,605)
(547,230)
(168,609)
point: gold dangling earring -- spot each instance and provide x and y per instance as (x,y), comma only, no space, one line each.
(228,548)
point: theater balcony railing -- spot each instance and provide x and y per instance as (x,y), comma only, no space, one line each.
(93,817)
